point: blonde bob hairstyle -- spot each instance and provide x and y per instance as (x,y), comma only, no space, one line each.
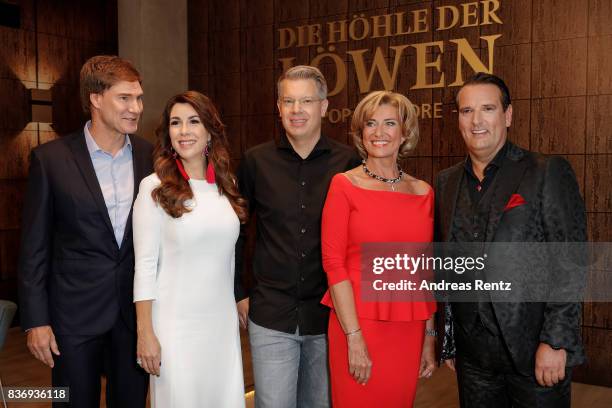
(406,113)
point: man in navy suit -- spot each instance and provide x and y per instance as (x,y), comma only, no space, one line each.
(77,258)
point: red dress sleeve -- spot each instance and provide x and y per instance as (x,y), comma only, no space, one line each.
(334,230)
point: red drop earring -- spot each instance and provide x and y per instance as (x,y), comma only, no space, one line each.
(210,169)
(179,164)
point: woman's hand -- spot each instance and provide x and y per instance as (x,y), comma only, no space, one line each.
(428,357)
(360,365)
(450,363)
(148,352)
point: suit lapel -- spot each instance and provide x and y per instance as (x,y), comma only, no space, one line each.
(83,161)
(507,182)
(449,200)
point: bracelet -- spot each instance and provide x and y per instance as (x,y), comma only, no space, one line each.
(431,332)
(352,332)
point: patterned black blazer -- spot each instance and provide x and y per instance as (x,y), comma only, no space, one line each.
(553,212)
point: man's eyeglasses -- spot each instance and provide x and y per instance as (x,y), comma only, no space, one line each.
(304,102)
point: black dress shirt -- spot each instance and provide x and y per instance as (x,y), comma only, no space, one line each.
(287,194)
(474,230)
(478,188)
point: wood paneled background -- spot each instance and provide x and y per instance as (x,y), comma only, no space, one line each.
(554,55)
(54,39)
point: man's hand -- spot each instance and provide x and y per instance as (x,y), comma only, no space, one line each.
(41,342)
(243,312)
(549,365)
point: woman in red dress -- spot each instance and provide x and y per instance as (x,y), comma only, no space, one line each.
(377,350)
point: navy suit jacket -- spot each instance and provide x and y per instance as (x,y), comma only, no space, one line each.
(72,274)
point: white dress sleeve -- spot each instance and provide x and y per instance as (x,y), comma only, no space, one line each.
(147,219)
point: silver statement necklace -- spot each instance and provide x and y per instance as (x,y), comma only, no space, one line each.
(391,181)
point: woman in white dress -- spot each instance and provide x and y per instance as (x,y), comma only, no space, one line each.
(186,221)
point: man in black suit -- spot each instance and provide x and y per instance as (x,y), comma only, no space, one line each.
(77,259)
(506,354)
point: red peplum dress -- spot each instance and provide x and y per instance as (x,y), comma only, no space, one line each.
(393,330)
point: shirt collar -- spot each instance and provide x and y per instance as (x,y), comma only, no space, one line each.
(496,163)
(322,144)
(93,147)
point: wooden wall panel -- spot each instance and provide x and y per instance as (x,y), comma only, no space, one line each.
(257,129)
(257,51)
(600,226)
(513,63)
(598,315)
(260,87)
(600,15)
(224,51)
(68,19)
(420,167)
(68,114)
(234,138)
(519,132)
(557,20)
(599,124)
(599,182)
(324,8)
(554,55)
(366,5)
(517,18)
(285,11)
(559,68)
(599,62)
(226,92)
(223,15)
(13,105)
(447,141)
(11,202)
(408,8)
(17,147)
(9,246)
(558,125)
(197,12)
(597,369)
(199,83)
(53,41)
(198,54)
(17,55)
(257,12)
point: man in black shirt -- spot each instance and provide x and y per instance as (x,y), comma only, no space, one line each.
(286,184)
(518,353)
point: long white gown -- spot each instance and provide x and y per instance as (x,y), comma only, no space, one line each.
(186,265)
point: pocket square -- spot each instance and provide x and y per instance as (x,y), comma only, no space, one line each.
(515,201)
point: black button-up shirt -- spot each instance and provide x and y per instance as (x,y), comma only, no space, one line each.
(478,188)
(287,194)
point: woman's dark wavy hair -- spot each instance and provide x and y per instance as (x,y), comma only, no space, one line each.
(174,190)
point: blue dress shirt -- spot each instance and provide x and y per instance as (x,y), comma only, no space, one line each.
(116,178)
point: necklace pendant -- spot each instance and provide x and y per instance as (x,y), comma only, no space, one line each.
(392,187)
